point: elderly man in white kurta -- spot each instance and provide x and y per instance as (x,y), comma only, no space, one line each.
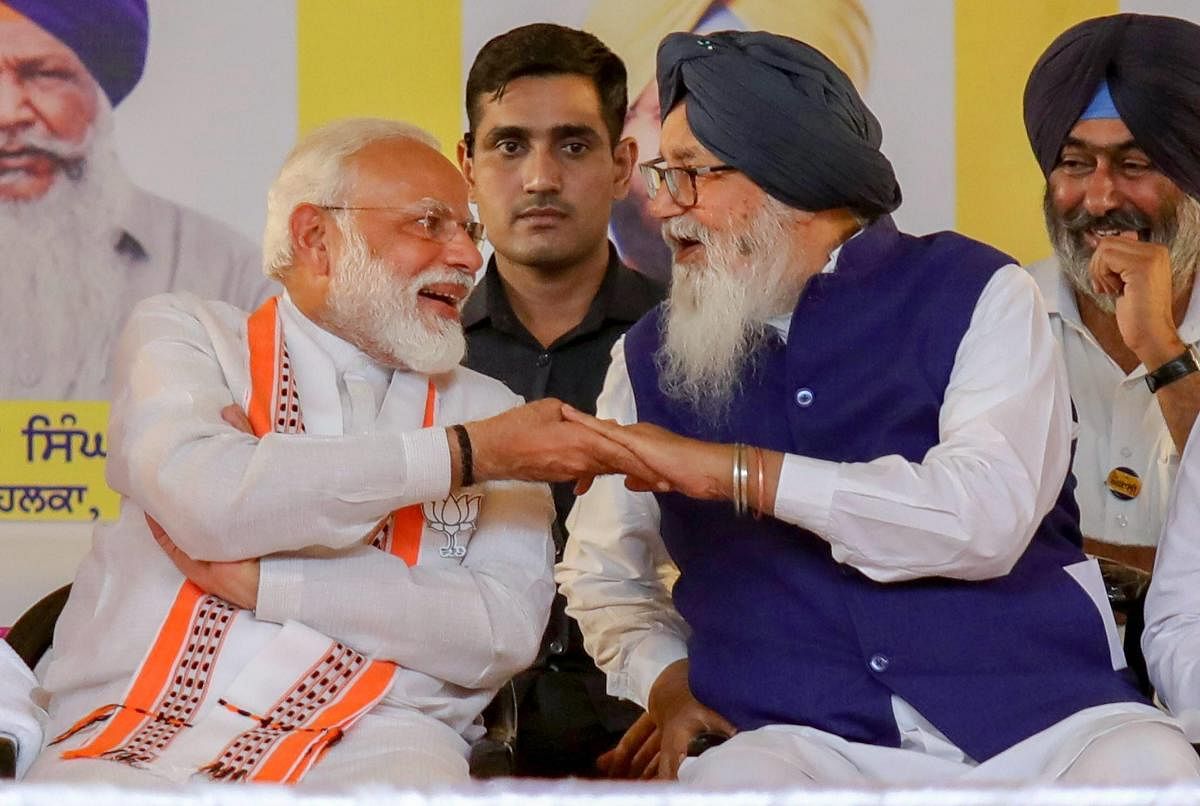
(345,589)
(1172,637)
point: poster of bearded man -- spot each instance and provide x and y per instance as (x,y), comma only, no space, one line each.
(82,242)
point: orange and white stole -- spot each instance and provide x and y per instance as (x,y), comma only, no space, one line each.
(336,685)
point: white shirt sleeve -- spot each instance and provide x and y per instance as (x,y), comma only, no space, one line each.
(615,571)
(224,495)
(969,508)
(20,718)
(1171,641)
(490,611)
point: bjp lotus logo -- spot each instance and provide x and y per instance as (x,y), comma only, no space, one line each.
(453,516)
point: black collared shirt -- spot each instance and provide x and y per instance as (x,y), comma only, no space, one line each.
(571,369)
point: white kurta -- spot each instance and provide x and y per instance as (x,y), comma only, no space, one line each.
(1120,422)
(967,511)
(19,715)
(458,627)
(1171,640)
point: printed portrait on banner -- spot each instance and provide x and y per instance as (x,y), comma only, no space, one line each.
(82,242)
(92,95)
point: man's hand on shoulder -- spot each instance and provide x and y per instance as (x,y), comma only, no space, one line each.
(680,717)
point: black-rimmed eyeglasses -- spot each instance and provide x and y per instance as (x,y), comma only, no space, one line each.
(430,224)
(680,182)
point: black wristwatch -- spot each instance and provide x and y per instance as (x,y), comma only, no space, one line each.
(1172,371)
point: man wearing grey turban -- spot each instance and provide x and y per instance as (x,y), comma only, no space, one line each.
(81,243)
(909,604)
(1112,109)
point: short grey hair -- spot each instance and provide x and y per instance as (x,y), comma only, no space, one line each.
(316,172)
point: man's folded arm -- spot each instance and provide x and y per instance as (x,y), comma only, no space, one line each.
(474,625)
(225,495)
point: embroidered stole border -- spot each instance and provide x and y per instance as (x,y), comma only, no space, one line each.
(172,681)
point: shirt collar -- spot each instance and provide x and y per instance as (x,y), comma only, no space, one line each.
(487,300)
(622,294)
(617,299)
(867,251)
(783,322)
(343,355)
(1189,328)
(133,233)
(1056,290)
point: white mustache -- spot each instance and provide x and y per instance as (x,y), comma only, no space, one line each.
(46,143)
(443,276)
(686,229)
(447,275)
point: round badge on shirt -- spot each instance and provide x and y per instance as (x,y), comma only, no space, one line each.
(1123,483)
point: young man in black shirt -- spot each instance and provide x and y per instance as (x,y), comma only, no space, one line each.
(545,161)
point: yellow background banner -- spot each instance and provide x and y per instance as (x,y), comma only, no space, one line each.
(404,60)
(999,187)
(52,461)
(381,58)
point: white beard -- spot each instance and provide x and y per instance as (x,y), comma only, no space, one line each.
(716,314)
(62,283)
(370,308)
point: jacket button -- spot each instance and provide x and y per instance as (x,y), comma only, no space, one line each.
(543,360)
(804,398)
(879,663)
(556,647)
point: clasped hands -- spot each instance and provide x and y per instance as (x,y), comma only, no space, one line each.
(551,441)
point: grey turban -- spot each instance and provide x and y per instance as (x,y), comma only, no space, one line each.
(781,113)
(1152,66)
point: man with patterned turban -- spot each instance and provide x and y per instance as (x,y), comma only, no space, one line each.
(82,243)
(910,604)
(1112,109)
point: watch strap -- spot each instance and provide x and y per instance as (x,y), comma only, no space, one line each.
(1178,367)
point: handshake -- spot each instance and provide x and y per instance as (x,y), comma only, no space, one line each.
(550,441)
